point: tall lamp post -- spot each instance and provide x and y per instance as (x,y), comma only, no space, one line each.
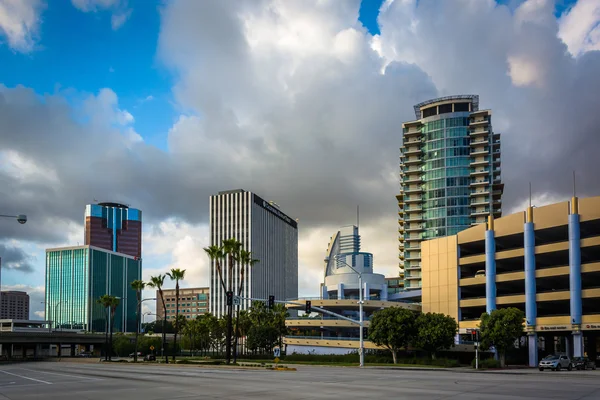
(146,313)
(56,312)
(361,350)
(21,218)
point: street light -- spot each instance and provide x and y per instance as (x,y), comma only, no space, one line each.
(361,350)
(56,310)
(21,218)
(147,313)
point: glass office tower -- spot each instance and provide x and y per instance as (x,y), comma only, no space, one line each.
(76,277)
(449,175)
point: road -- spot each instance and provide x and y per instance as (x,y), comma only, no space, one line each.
(52,380)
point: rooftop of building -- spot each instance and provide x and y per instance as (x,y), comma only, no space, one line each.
(110,204)
(186,290)
(18,292)
(472,98)
(545,217)
(86,246)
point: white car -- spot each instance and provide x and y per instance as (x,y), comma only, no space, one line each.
(555,363)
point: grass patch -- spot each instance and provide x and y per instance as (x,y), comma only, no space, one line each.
(343,364)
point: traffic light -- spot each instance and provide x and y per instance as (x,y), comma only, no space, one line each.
(271,302)
(230,298)
(308,307)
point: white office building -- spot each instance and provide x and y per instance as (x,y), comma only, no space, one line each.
(266,231)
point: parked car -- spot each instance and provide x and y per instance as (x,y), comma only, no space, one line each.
(150,357)
(85,354)
(555,363)
(133,354)
(583,363)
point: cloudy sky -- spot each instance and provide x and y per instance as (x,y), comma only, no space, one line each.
(159,104)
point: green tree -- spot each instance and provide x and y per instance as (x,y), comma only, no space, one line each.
(195,332)
(110,304)
(157,327)
(500,329)
(147,343)
(262,338)
(138,286)
(435,332)
(393,328)
(122,345)
(228,252)
(176,275)
(245,260)
(231,248)
(157,283)
(265,327)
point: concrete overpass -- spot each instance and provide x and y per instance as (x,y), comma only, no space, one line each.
(24,339)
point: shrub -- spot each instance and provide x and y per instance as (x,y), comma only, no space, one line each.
(487,363)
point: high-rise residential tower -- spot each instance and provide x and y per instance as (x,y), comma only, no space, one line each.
(449,175)
(266,231)
(115,227)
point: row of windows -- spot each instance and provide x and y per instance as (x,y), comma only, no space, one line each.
(453,142)
(188,310)
(445,123)
(448,133)
(187,316)
(433,125)
(447,162)
(449,152)
(451,191)
(201,296)
(201,304)
(443,202)
(440,183)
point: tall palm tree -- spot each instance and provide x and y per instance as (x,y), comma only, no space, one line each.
(217,255)
(231,248)
(109,303)
(176,275)
(244,259)
(157,283)
(138,286)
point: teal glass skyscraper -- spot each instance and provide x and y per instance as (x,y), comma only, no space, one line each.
(449,175)
(76,277)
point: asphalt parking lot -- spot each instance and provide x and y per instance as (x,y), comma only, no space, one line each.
(63,380)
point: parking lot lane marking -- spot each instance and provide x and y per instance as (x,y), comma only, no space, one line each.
(25,377)
(56,373)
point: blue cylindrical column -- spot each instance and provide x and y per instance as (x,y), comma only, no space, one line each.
(530,292)
(575,269)
(490,270)
(575,277)
(530,288)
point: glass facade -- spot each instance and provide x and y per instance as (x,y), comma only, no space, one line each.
(449,175)
(446,174)
(77,277)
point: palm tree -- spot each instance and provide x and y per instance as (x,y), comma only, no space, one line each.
(176,275)
(217,255)
(231,248)
(109,302)
(244,259)
(138,286)
(157,282)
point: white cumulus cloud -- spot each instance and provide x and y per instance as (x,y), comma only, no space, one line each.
(20,22)
(580,27)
